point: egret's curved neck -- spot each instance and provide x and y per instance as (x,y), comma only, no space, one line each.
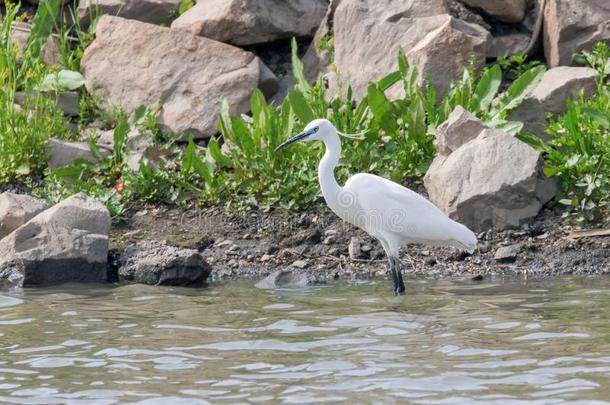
(326,171)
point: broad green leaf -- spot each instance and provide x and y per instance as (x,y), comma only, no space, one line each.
(63,80)
(43,23)
(487,88)
(300,107)
(382,109)
(297,69)
(517,92)
(388,81)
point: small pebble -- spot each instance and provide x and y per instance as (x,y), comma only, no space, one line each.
(300,264)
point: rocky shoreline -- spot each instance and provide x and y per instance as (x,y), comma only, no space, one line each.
(320,245)
(164,245)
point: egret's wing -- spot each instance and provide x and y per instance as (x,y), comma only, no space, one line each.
(403,212)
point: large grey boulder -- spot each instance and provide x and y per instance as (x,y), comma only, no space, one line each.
(187,77)
(66,243)
(157,263)
(16,210)
(571,26)
(492,180)
(370,33)
(557,86)
(249,22)
(443,53)
(150,11)
(511,11)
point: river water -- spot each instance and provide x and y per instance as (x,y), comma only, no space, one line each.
(445,342)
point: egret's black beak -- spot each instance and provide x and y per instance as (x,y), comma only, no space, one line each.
(296,138)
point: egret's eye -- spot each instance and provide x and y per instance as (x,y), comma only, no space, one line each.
(316,129)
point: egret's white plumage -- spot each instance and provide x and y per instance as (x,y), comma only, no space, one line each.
(391,213)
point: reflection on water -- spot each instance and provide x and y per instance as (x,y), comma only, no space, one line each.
(444,343)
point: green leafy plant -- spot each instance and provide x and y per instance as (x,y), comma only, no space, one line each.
(24,129)
(599,59)
(517,64)
(579,150)
(327,44)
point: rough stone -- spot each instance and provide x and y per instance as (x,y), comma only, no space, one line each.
(16,210)
(354,248)
(369,34)
(317,61)
(150,11)
(65,243)
(290,279)
(491,181)
(509,44)
(507,253)
(62,153)
(510,11)
(550,96)
(157,263)
(249,22)
(185,76)
(461,126)
(436,56)
(571,26)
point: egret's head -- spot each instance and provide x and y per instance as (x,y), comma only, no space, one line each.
(316,130)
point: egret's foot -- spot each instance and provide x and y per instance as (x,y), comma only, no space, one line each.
(399,289)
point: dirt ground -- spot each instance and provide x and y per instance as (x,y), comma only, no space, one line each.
(318,242)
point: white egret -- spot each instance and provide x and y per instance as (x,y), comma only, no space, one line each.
(391,213)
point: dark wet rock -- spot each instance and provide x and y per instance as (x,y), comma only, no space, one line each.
(507,254)
(288,279)
(66,243)
(157,263)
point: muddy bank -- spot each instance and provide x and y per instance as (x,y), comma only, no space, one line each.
(318,243)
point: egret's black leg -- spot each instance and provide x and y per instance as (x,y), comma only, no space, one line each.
(399,285)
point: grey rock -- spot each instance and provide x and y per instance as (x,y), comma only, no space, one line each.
(354,248)
(571,26)
(461,127)
(150,11)
(492,180)
(508,44)
(289,279)
(250,22)
(67,101)
(65,243)
(511,11)
(550,96)
(187,77)
(157,263)
(16,210)
(368,35)
(62,153)
(507,253)
(300,264)
(444,52)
